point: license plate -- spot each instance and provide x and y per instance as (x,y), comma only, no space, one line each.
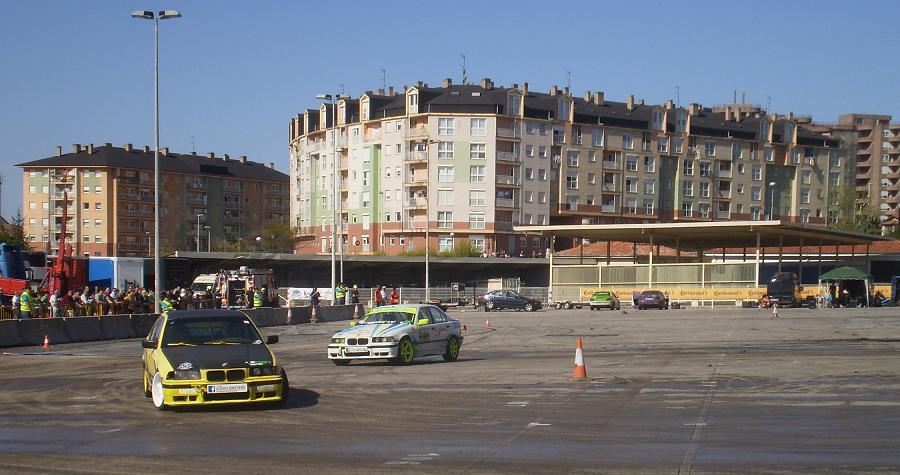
(356,349)
(226,388)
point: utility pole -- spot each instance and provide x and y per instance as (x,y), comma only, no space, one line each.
(465,73)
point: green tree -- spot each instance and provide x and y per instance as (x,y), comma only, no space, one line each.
(852,212)
(14,232)
(277,237)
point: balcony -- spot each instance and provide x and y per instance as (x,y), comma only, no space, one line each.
(418,132)
(59,211)
(611,164)
(234,188)
(723,194)
(724,173)
(415,202)
(613,187)
(234,204)
(509,133)
(503,225)
(611,208)
(193,200)
(723,214)
(229,219)
(135,212)
(559,139)
(413,179)
(132,246)
(128,197)
(507,156)
(506,203)
(277,192)
(196,185)
(417,156)
(58,195)
(507,180)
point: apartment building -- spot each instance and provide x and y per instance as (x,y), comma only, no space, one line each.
(110,193)
(874,147)
(472,161)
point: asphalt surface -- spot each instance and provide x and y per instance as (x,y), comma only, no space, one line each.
(679,391)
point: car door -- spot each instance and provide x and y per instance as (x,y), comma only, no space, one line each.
(149,354)
(423,339)
(440,332)
(515,300)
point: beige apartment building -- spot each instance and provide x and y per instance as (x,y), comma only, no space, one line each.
(110,193)
(874,146)
(470,162)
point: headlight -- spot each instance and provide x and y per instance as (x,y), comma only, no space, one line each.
(262,371)
(187,374)
(383,339)
(338,340)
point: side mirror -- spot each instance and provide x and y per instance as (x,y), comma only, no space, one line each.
(271,339)
(148,344)
(422,322)
(353,323)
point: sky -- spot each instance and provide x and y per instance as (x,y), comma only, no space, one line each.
(233,73)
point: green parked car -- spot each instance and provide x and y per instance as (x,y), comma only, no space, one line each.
(604,299)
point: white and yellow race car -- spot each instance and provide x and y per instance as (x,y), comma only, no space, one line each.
(202,357)
(399,333)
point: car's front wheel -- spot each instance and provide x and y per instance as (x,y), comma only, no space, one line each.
(567,306)
(406,351)
(529,307)
(156,389)
(452,351)
(488,306)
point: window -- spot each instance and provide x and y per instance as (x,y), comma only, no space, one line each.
(387,172)
(445,219)
(592,156)
(476,197)
(477,127)
(572,181)
(648,206)
(804,215)
(835,177)
(680,121)
(704,189)
(756,173)
(755,213)
(476,173)
(445,243)
(86,189)
(542,151)
(476,221)
(571,202)
(366,199)
(703,208)
(677,144)
(542,174)
(755,193)
(704,168)
(834,159)
(529,150)
(627,141)
(804,195)
(97,205)
(687,168)
(710,149)
(649,163)
(445,174)
(631,184)
(662,144)
(806,177)
(98,223)
(767,155)
(788,133)
(445,126)
(687,188)
(32,189)
(542,197)
(399,150)
(597,137)
(365,178)
(476,151)
(529,196)
(656,121)
(445,150)
(592,178)
(477,242)
(529,127)
(542,128)
(572,158)
(98,238)
(529,173)
(445,197)
(737,151)
(86,239)
(649,186)
(740,188)
(630,206)
(631,163)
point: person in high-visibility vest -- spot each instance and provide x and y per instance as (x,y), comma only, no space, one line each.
(395,297)
(340,294)
(257,299)
(26,303)
(165,305)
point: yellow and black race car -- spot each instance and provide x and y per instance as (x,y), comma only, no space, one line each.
(200,357)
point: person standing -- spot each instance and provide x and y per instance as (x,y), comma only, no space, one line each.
(340,294)
(15,304)
(379,301)
(354,295)
(395,297)
(384,295)
(257,299)
(775,311)
(26,303)
(54,305)
(314,304)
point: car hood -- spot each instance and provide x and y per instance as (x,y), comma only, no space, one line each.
(376,329)
(218,356)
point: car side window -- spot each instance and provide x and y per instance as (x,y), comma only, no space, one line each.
(156,329)
(436,315)
(423,315)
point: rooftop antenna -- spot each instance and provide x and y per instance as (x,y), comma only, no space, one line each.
(465,73)
(193,147)
(383,82)
(769,104)
(569,80)
(677,96)
(342,88)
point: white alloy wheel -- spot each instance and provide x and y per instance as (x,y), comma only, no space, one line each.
(156,389)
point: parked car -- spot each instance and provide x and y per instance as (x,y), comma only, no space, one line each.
(604,299)
(652,299)
(500,299)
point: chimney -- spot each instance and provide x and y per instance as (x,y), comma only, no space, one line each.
(108,144)
(391,91)
(211,155)
(598,98)
(194,153)
(380,92)
(76,148)
(486,83)
(420,83)
(127,147)
(641,102)
(554,90)
(694,109)
(566,91)
(524,88)
(790,116)
(90,149)
(272,165)
(727,110)
(447,82)
(224,157)
(587,96)
(670,105)
(59,150)
(629,102)
(514,86)
(164,151)
(146,149)
(244,159)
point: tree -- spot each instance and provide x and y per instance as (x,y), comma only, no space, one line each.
(277,237)
(14,232)
(853,213)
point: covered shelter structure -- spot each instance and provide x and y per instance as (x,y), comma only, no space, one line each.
(691,269)
(843,277)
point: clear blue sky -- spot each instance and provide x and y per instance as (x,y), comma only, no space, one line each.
(234,72)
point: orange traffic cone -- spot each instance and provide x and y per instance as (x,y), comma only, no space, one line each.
(465,328)
(355,311)
(46,344)
(290,316)
(487,324)
(578,372)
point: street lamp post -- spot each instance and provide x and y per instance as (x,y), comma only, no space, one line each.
(208,238)
(772,200)
(331,98)
(198,231)
(157,271)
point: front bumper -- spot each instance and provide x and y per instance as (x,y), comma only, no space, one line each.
(374,351)
(194,393)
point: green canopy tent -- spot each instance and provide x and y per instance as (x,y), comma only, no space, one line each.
(847,273)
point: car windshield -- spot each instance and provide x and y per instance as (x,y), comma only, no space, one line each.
(651,295)
(210,331)
(601,294)
(386,317)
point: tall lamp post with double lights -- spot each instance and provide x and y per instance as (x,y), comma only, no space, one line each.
(157,271)
(332,98)
(198,231)
(772,200)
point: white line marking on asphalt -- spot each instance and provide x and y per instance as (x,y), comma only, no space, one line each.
(518,403)
(413,459)
(695,424)
(401,463)
(537,424)
(108,431)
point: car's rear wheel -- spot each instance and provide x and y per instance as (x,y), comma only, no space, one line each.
(341,362)
(488,306)
(156,389)
(529,307)
(558,305)
(452,351)
(567,305)
(285,389)
(406,351)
